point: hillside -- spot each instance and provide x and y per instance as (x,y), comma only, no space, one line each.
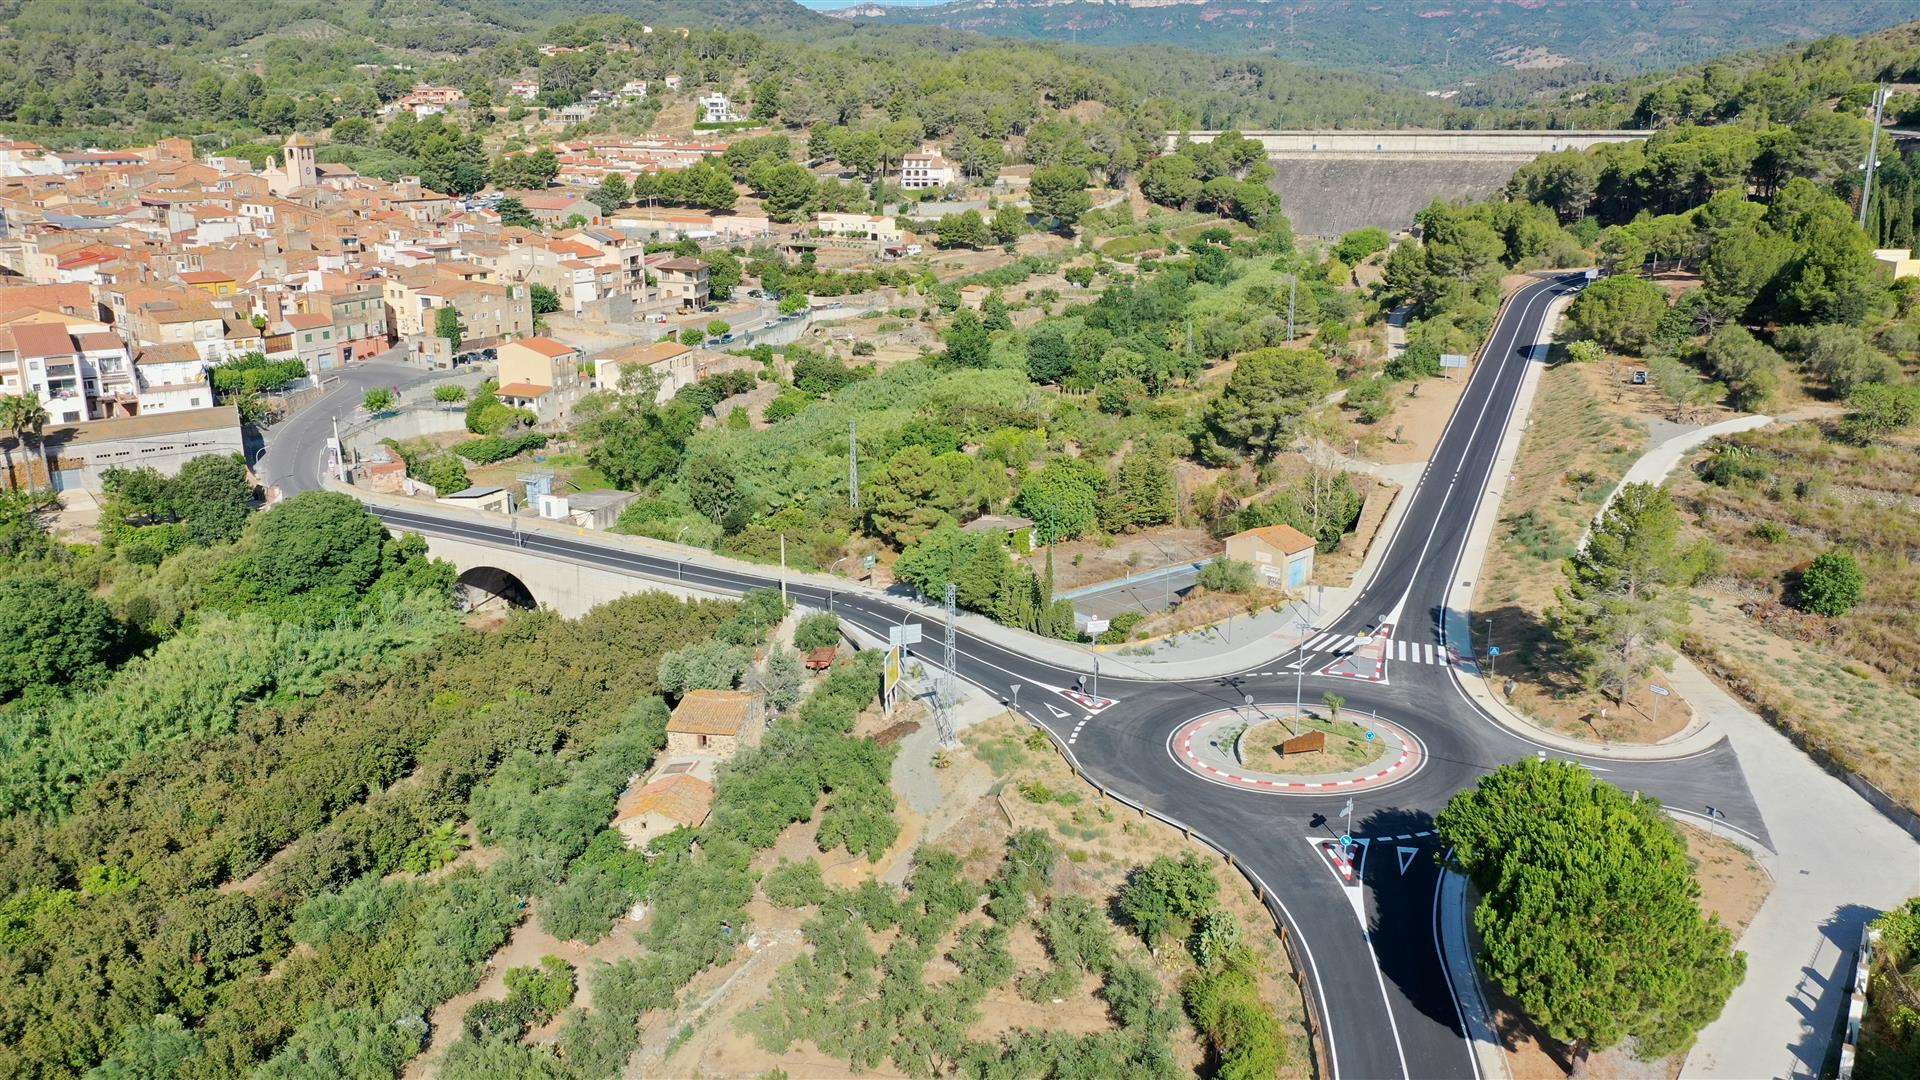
(1422,45)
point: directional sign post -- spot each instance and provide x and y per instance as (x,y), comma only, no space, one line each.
(1658,692)
(904,634)
(1452,360)
(1346,834)
(1493,653)
(1016,696)
(1096,627)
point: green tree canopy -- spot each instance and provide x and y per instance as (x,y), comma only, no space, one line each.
(1621,312)
(52,633)
(1265,398)
(1589,908)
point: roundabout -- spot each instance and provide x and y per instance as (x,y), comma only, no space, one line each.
(1363,750)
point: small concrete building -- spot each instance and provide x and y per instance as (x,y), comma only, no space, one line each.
(498,500)
(716,722)
(649,812)
(1897,261)
(1282,554)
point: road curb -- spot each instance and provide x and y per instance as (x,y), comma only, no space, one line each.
(1463,973)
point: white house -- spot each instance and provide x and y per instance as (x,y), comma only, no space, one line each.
(927,169)
(717,109)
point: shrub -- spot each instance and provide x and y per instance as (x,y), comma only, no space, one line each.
(1832,584)
(1227,575)
(817,630)
(794,884)
(492,448)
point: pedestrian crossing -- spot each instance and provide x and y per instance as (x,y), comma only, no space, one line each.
(1410,652)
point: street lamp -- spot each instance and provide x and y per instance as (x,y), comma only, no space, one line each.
(830,588)
(1300,671)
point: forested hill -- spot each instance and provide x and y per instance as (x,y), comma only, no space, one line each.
(1425,44)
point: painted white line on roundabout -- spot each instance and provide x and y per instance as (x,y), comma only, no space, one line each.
(1412,758)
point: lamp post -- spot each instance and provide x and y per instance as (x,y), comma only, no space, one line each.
(830,588)
(1300,671)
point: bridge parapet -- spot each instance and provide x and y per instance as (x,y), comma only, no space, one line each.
(1489,143)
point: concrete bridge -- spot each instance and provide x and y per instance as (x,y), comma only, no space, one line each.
(517,562)
(1332,182)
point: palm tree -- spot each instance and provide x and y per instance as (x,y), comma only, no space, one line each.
(21,414)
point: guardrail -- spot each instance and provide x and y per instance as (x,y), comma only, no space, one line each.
(1857,1000)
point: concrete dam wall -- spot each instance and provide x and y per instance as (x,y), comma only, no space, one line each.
(1330,194)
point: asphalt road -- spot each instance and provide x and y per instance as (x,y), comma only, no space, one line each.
(1370,948)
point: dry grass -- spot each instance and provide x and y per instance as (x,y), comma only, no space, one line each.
(1347,747)
(1580,440)
(1844,688)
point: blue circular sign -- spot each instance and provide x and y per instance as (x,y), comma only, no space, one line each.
(1346,841)
(1369,736)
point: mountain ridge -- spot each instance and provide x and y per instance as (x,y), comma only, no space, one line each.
(1432,46)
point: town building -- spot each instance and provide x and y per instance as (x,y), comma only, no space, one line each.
(682,282)
(540,374)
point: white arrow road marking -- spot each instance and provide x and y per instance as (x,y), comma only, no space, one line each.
(1406,857)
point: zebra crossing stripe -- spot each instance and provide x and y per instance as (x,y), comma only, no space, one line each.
(1317,644)
(1429,648)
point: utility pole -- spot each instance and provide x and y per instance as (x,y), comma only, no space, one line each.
(339,452)
(853,464)
(783,568)
(1293,292)
(944,700)
(1873,151)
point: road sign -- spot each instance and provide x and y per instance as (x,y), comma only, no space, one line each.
(1661,690)
(1591,274)
(1369,736)
(903,634)
(869,561)
(1493,650)
(1347,810)
(890,676)
(1452,360)
(1096,627)
(1345,840)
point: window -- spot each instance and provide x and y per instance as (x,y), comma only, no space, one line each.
(308,339)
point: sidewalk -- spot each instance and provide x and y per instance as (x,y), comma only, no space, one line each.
(1840,864)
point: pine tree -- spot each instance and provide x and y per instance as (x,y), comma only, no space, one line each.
(1619,607)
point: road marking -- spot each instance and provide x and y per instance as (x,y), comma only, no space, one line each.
(1057,714)
(1430,657)
(1406,855)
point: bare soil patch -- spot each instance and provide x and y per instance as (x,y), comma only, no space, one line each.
(1419,417)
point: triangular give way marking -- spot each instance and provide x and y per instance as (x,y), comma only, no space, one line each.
(1406,855)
